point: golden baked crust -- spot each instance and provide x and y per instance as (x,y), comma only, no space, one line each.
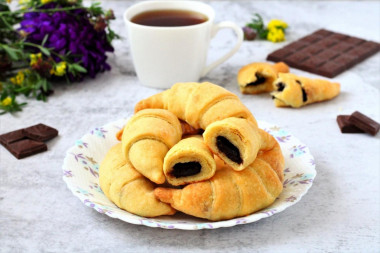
(228,194)
(297,91)
(258,77)
(189,161)
(238,142)
(127,188)
(199,104)
(146,139)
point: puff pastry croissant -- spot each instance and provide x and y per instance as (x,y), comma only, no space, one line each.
(189,161)
(146,139)
(228,194)
(297,91)
(127,188)
(238,142)
(199,104)
(258,77)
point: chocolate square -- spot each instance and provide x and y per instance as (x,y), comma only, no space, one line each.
(11,137)
(345,126)
(25,148)
(364,122)
(40,132)
(330,68)
(341,47)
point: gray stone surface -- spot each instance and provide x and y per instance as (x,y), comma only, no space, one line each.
(340,213)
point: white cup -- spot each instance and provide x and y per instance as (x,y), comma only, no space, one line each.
(163,56)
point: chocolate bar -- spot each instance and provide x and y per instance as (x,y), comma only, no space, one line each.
(325,53)
(40,132)
(365,123)
(24,148)
(346,127)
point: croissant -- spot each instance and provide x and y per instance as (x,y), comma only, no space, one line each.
(297,91)
(186,130)
(146,139)
(199,104)
(238,142)
(127,188)
(258,77)
(189,161)
(228,194)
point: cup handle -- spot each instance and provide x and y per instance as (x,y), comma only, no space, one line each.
(239,33)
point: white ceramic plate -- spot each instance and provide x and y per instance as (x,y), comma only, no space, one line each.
(81,166)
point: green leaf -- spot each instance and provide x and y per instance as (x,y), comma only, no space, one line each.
(44,40)
(255,26)
(263,34)
(44,85)
(78,68)
(44,51)
(12,53)
(3,95)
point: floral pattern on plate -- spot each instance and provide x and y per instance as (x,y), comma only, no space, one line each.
(81,174)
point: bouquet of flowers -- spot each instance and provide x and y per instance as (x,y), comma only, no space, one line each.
(44,41)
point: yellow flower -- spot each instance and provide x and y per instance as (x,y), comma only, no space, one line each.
(18,79)
(34,58)
(6,101)
(276,35)
(46,1)
(59,69)
(277,24)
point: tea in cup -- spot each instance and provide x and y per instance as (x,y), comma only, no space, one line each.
(169,41)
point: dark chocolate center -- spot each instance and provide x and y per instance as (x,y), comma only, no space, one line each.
(226,147)
(280,86)
(259,80)
(186,169)
(304,95)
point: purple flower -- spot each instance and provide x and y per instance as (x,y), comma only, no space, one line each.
(69,31)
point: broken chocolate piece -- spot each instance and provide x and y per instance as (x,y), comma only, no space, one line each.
(229,149)
(28,141)
(325,53)
(186,169)
(345,126)
(40,132)
(25,148)
(8,138)
(365,123)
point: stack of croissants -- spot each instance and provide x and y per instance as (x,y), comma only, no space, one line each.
(194,148)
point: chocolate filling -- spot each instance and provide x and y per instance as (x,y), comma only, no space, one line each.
(186,169)
(280,86)
(226,147)
(304,95)
(259,80)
